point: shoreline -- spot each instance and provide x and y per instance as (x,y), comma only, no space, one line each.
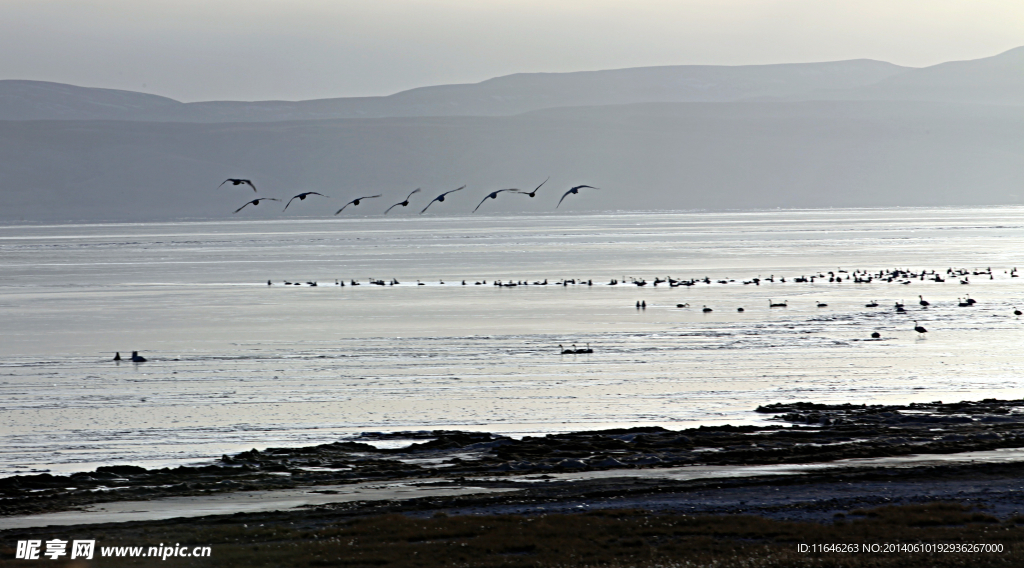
(798,439)
(716,496)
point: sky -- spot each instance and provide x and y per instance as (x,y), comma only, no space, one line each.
(196,50)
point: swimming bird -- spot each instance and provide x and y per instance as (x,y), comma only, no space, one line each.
(919,329)
(238,182)
(256,202)
(403,203)
(822,305)
(494,195)
(778,305)
(566,351)
(1017,312)
(117,356)
(136,358)
(739,309)
(355,202)
(302,197)
(706,310)
(871,304)
(440,198)
(534,192)
(574,190)
(924,303)
(875,335)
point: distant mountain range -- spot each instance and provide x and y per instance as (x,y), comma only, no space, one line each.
(852,133)
(513,94)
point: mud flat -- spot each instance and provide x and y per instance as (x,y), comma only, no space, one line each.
(949,470)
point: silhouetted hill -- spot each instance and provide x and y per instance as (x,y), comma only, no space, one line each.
(992,80)
(513,94)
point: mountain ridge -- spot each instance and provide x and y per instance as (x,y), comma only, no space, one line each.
(498,96)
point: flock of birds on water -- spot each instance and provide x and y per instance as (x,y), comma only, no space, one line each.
(898,276)
(404,203)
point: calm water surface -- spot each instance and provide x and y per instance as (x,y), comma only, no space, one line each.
(235,364)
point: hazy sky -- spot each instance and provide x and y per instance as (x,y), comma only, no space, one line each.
(301,49)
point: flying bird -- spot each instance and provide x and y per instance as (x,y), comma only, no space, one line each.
(494,195)
(573,190)
(441,198)
(238,182)
(403,203)
(256,202)
(534,192)
(302,197)
(355,202)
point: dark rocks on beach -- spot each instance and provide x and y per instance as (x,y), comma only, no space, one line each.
(817,433)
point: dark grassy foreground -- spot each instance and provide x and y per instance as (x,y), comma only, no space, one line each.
(607,538)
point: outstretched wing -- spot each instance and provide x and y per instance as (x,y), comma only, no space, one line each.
(367,197)
(290,202)
(345,205)
(250,184)
(223,182)
(315,193)
(440,196)
(582,186)
(484,199)
(393,206)
(564,195)
(417,190)
(246,205)
(541,183)
(429,204)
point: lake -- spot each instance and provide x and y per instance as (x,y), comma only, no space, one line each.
(235,364)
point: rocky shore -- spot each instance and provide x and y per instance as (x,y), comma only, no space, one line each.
(611,497)
(805,433)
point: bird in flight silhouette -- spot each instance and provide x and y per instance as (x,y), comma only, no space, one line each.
(238,182)
(440,198)
(301,197)
(355,202)
(534,192)
(403,203)
(494,195)
(574,190)
(256,202)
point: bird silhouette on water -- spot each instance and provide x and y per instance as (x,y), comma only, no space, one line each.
(256,202)
(574,190)
(403,203)
(355,202)
(302,197)
(440,198)
(136,358)
(235,181)
(919,329)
